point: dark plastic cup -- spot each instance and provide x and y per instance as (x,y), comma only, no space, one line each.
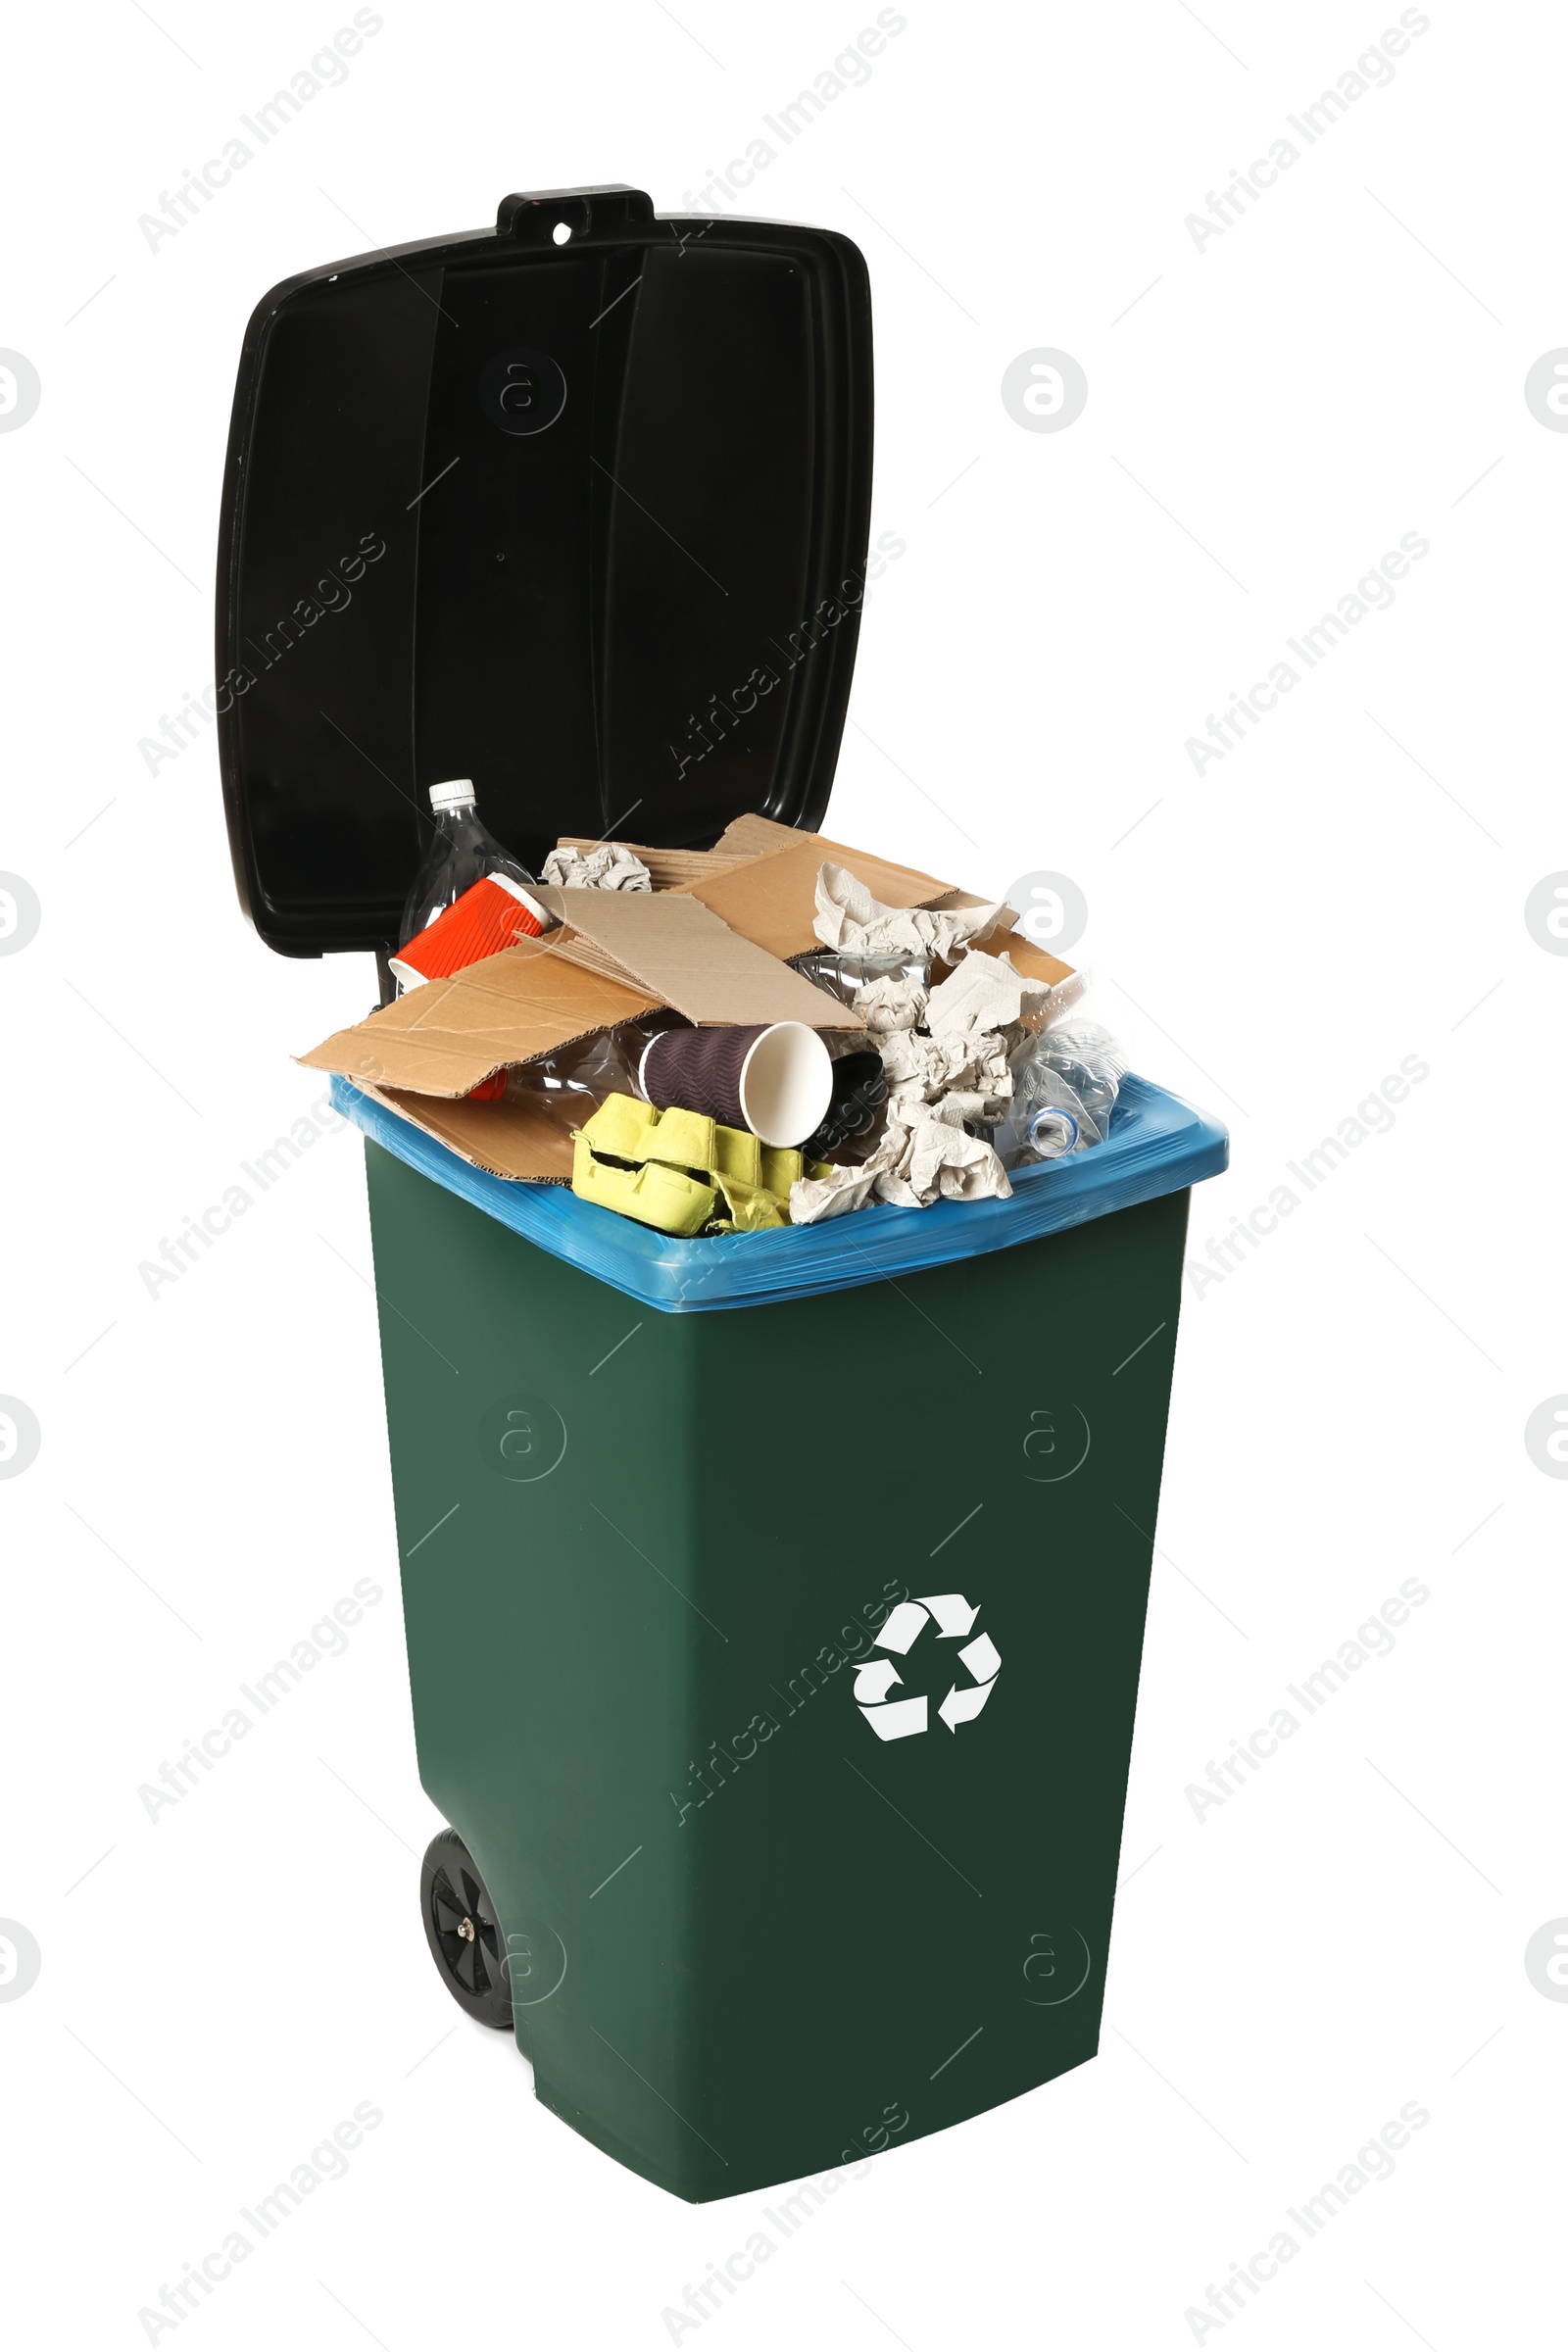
(776,1081)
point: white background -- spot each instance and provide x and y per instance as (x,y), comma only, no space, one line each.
(1346,1934)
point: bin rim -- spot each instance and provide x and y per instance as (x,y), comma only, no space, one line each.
(1159,1144)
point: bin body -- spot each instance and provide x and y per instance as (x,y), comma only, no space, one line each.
(641,1554)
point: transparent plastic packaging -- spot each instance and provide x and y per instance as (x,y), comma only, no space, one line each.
(842,972)
(1064,1088)
(1091,1061)
(1045,1119)
(569,1084)
(1057,1003)
(854,1124)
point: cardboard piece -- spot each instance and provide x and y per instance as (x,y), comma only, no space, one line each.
(771,897)
(1032,961)
(763,905)
(451,1034)
(774,903)
(766,905)
(749,835)
(680,952)
(505,1138)
(665,867)
(620,957)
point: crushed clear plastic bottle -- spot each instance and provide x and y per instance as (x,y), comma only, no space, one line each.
(1064,1088)
(569,1085)
(1089,1059)
(844,972)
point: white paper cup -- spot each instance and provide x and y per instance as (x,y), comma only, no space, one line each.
(786,1084)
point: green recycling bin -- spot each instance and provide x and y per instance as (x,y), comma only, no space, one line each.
(648,1560)
(773,1602)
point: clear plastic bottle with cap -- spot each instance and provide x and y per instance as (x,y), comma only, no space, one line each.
(461,852)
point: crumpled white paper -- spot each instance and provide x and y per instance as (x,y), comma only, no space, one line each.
(984,993)
(912,1167)
(922,1069)
(849,917)
(814,1199)
(937,1161)
(957,1105)
(612,867)
(891,1003)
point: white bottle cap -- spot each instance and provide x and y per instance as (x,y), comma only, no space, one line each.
(457,794)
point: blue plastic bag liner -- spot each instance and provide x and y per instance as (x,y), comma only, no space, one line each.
(1157,1143)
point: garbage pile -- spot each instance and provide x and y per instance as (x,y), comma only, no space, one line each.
(727,1041)
(976,1080)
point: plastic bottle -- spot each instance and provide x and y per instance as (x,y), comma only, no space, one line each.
(1045,1119)
(844,972)
(569,1085)
(1064,1088)
(461,852)
(1089,1061)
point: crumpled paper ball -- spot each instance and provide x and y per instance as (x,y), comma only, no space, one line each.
(612,867)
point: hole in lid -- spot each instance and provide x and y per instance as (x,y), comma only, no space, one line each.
(562,233)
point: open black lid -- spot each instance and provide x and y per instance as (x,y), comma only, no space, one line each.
(577,507)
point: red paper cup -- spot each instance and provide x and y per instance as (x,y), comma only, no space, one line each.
(776,1081)
(495,913)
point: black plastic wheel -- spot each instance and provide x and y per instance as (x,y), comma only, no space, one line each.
(462,1931)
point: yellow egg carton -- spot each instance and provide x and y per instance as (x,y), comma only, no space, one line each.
(680,1172)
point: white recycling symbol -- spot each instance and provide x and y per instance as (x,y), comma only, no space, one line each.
(901,1718)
